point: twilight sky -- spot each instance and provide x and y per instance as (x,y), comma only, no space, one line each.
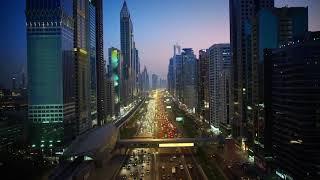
(158,25)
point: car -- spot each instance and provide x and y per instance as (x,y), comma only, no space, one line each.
(181,167)
(131,174)
(174,157)
(163,168)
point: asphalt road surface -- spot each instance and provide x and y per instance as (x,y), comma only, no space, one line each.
(159,163)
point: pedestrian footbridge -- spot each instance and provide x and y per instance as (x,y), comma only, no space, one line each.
(163,143)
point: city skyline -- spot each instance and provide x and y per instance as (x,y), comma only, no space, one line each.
(167,89)
(13,50)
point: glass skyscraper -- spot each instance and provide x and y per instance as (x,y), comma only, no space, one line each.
(51,102)
(127,45)
(81,43)
(93,63)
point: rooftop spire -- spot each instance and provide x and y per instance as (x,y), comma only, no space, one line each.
(124,10)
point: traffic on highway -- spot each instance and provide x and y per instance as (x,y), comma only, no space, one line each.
(174,163)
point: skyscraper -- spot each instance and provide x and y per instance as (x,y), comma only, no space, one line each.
(127,47)
(171,76)
(155,81)
(241,16)
(65,74)
(82,65)
(292,100)
(93,63)
(101,70)
(189,81)
(137,71)
(145,80)
(115,61)
(203,84)
(110,98)
(50,53)
(219,86)
(272,28)
(175,76)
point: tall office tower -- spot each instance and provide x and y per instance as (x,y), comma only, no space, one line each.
(171,76)
(189,78)
(110,94)
(126,37)
(203,84)
(155,81)
(271,28)
(292,101)
(82,65)
(219,86)
(101,70)
(51,97)
(115,61)
(93,63)
(178,77)
(133,69)
(137,72)
(144,79)
(241,15)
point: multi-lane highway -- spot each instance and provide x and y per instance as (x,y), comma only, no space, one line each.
(159,163)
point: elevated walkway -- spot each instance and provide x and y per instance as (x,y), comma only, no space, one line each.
(172,142)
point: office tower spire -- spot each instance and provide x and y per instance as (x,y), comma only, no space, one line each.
(127,49)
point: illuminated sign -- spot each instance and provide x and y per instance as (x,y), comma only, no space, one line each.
(114,59)
(176,145)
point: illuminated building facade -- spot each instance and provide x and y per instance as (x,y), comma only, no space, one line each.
(50,53)
(219,85)
(115,61)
